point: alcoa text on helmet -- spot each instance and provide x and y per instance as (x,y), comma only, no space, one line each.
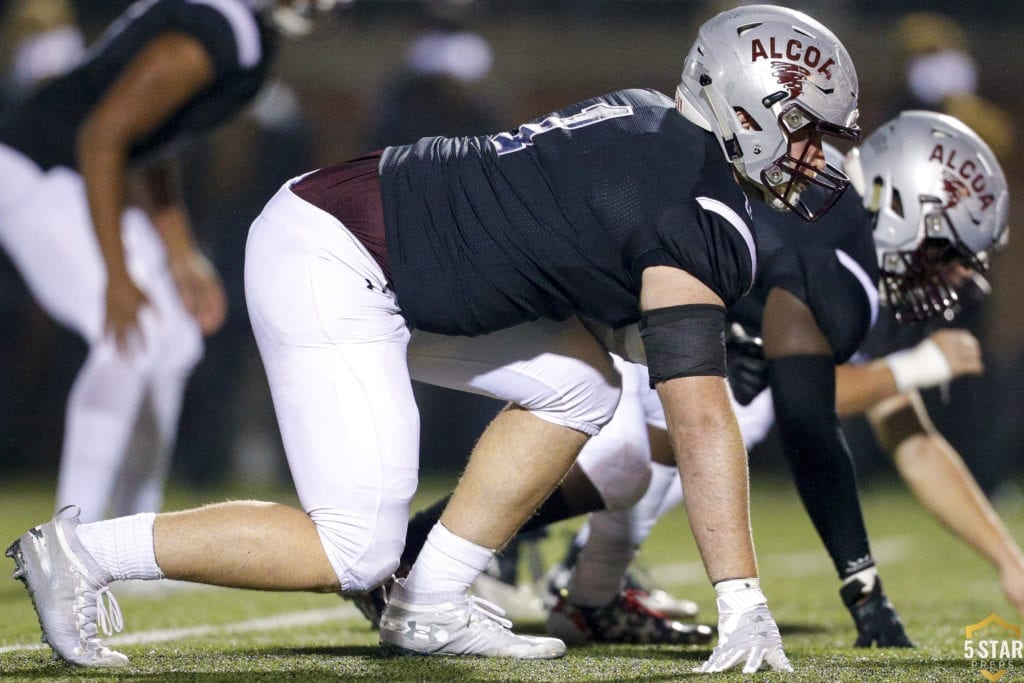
(942,208)
(761,76)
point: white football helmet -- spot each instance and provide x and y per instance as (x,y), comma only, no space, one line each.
(294,18)
(942,207)
(760,75)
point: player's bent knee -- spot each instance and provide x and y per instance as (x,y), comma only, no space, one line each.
(363,542)
(361,558)
(629,489)
(586,406)
(184,348)
(620,475)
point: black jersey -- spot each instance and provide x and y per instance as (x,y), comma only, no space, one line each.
(561,216)
(830,265)
(45,126)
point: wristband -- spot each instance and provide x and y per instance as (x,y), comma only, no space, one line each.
(920,367)
(739,595)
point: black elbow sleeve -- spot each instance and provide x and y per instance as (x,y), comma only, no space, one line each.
(684,341)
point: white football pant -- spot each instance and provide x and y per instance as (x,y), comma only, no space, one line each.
(339,362)
(122,412)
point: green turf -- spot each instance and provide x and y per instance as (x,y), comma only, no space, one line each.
(938,585)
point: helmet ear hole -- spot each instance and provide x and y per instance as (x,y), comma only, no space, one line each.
(746,119)
(896,203)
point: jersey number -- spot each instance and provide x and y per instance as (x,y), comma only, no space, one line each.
(506,143)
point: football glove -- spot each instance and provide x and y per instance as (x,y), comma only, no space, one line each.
(876,618)
(746,367)
(747,633)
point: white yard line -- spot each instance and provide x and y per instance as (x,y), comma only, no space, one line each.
(310,617)
(887,551)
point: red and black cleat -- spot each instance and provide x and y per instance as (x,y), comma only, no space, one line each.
(624,620)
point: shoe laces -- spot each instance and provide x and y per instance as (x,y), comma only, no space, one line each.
(98,607)
(487,613)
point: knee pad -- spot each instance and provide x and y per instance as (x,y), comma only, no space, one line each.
(618,467)
(627,488)
(618,460)
(364,542)
(584,398)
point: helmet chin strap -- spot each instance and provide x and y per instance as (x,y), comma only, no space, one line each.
(729,142)
(731,145)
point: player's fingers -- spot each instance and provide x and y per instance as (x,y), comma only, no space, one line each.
(708,665)
(729,660)
(776,659)
(753,662)
(215,310)
(712,664)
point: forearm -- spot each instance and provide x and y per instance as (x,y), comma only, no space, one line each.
(160,196)
(944,486)
(713,465)
(860,386)
(945,354)
(102,164)
(823,471)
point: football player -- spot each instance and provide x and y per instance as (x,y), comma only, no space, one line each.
(934,225)
(91,215)
(620,208)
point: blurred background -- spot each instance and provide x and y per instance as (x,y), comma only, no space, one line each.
(379,72)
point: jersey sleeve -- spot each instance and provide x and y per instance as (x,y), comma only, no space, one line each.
(227,29)
(709,240)
(839,293)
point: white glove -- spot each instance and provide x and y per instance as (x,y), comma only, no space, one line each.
(746,630)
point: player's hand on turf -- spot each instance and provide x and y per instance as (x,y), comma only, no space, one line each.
(961,349)
(751,639)
(200,289)
(747,633)
(124,304)
(876,619)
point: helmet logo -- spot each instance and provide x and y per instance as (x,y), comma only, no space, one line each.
(959,178)
(791,77)
(954,189)
(795,52)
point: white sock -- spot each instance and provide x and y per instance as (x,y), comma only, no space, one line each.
(603,561)
(445,568)
(123,546)
(612,542)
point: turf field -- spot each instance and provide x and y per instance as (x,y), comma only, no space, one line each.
(938,585)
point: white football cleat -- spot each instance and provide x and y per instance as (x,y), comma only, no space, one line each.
(471,626)
(69,592)
(520,602)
